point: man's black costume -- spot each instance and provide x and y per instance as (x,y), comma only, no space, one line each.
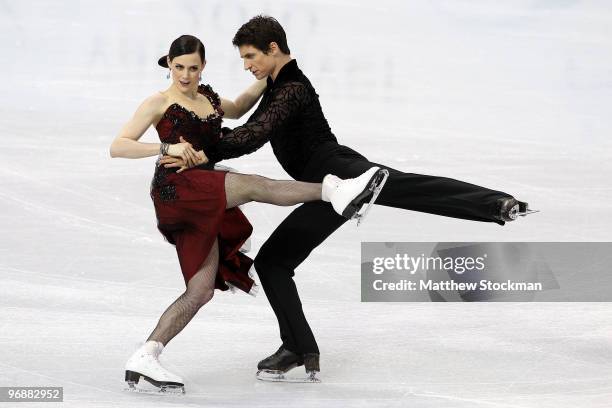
(290,117)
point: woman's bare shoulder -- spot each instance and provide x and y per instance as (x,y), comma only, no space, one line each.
(157,100)
(155,104)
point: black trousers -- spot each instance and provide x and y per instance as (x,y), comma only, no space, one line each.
(311,223)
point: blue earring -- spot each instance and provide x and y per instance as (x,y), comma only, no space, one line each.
(168,75)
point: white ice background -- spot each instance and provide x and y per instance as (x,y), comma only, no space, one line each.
(513,95)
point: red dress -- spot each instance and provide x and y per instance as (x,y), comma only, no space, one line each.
(190,206)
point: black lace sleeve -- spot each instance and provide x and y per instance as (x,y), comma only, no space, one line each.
(285,101)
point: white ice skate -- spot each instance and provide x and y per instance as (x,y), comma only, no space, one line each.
(352,198)
(145,363)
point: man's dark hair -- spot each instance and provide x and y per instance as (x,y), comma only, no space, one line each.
(259,32)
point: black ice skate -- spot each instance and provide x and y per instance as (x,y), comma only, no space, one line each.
(275,368)
(509,209)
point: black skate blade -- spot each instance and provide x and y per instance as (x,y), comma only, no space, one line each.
(376,186)
(524,210)
(280,376)
(132,379)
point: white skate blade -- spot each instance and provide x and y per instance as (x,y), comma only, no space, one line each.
(376,185)
(279,376)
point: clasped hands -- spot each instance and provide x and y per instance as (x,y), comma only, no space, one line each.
(183,156)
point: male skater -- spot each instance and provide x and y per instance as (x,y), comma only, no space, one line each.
(290,117)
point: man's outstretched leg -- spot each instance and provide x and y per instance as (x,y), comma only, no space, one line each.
(431,194)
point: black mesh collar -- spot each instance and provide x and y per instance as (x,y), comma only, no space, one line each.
(288,72)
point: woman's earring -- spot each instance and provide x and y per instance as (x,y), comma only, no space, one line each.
(168,75)
(200,79)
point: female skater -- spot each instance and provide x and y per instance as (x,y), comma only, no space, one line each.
(196,208)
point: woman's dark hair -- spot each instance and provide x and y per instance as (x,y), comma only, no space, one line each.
(185,44)
(259,32)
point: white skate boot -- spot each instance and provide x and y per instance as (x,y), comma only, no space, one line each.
(145,363)
(352,198)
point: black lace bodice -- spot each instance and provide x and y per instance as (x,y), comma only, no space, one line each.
(202,133)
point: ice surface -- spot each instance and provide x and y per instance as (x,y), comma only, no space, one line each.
(511,95)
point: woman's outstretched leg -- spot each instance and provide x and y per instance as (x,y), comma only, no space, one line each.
(347,197)
(243,188)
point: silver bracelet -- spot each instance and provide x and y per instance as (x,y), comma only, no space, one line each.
(163,149)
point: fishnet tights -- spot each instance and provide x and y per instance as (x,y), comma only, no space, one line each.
(243,188)
(200,290)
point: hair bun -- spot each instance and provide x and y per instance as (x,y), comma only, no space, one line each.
(163,61)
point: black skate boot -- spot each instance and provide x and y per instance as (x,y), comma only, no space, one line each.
(275,367)
(509,209)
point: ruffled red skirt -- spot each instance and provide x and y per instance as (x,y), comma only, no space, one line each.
(191,213)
